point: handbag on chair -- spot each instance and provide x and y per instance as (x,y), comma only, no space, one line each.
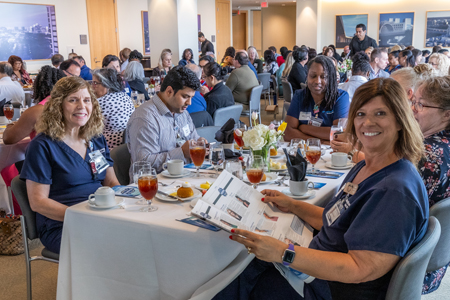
(11,241)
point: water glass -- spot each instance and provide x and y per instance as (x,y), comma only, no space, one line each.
(216,157)
(234,167)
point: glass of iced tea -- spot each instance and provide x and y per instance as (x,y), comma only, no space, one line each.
(313,152)
(238,134)
(148,187)
(255,170)
(197,150)
(8,110)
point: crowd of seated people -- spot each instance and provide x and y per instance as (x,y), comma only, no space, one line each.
(401,94)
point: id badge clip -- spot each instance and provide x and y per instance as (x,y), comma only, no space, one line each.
(349,189)
(98,163)
(314,121)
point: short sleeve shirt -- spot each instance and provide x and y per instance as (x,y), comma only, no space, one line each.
(339,110)
(70,177)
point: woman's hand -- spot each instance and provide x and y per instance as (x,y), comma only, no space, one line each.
(264,247)
(280,200)
(340,143)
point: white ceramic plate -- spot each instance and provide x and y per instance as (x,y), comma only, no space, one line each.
(309,194)
(270,178)
(161,197)
(330,166)
(185,173)
(119,200)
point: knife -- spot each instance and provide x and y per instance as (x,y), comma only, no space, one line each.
(170,196)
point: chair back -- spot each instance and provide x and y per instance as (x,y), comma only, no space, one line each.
(208,132)
(201,118)
(223,114)
(441,253)
(122,162)
(287,91)
(264,78)
(275,85)
(286,106)
(255,98)
(407,279)
(19,188)
(124,136)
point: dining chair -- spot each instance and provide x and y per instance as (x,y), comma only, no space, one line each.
(208,132)
(287,91)
(407,279)
(286,106)
(124,136)
(222,115)
(441,254)
(122,162)
(264,78)
(254,104)
(29,230)
(201,119)
(275,86)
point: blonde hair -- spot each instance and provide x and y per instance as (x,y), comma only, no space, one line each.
(409,77)
(396,48)
(163,54)
(288,65)
(52,122)
(443,61)
(409,144)
(251,48)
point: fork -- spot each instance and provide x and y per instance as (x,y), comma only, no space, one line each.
(166,184)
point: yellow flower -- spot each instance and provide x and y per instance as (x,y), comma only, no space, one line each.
(282,127)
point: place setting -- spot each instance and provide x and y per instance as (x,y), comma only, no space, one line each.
(104,198)
(340,161)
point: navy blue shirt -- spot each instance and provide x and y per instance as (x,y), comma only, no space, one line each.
(388,214)
(183,62)
(86,73)
(70,177)
(339,110)
(198,103)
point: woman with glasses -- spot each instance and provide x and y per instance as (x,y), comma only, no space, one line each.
(440,62)
(116,105)
(19,74)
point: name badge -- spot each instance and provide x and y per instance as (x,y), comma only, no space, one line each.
(337,209)
(186,131)
(127,90)
(304,116)
(98,163)
(315,122)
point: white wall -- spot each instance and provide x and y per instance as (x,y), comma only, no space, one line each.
(130,24)
(207,11)
(331,8)
(307,32)
(187,27)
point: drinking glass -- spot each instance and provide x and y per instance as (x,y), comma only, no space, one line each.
(162,78)
(197,150)
(276,124)
(238,136)
(313,152)
(8,111)
(234,167)
(148,187)
(137,166)
(217,157)
(255,170)
(334,129)
(157,80)
(297,143)
(153,80)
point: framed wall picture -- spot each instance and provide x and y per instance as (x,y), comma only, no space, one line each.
(28,31)
(438,29)
(346,28)
(395,29)
(145,33)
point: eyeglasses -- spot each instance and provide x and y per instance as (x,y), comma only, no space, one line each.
(73,75)
(95,83)
(419,106)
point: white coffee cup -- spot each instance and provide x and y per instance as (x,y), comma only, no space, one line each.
(104,196)
(340,159)
(299,188)
(174,166)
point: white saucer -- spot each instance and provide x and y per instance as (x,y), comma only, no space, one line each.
(161,197)
(119,200)
(185,173)
(309,194)
(330,166)
(270,178)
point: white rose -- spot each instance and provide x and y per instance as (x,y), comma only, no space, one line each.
(253,140)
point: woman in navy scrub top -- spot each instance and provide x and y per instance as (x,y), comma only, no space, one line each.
(357,247)
(321,99)
(57,168)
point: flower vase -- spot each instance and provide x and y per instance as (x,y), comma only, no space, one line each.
(264,153)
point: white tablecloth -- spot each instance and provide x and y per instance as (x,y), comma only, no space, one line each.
(127,254)
(9,154)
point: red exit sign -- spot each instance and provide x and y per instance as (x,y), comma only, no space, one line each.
(264,4)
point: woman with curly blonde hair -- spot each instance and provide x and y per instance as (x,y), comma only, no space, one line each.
(69,158)
(441,63)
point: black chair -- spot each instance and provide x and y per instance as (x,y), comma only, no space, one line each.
(29,230)
(122,162)
(201,119)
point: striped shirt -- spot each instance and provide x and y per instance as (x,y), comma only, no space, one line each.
(152,133)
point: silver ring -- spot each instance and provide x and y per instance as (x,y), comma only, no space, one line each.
(249,250)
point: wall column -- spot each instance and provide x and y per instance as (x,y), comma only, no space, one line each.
(308,24)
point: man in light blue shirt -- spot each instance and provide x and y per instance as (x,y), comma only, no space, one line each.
(379,60)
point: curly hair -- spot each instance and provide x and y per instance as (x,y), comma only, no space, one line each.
(443,63)
(331,90)
(179,78)
(409,144)
(44,82)
(361,63)
(52,122)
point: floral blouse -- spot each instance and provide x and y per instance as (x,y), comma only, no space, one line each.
(435,170)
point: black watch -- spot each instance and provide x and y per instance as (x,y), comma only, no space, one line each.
(288,255)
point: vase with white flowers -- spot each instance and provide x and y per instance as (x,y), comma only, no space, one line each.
(260,138)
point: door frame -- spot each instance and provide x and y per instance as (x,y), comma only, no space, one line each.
(90,30)
(247,32)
